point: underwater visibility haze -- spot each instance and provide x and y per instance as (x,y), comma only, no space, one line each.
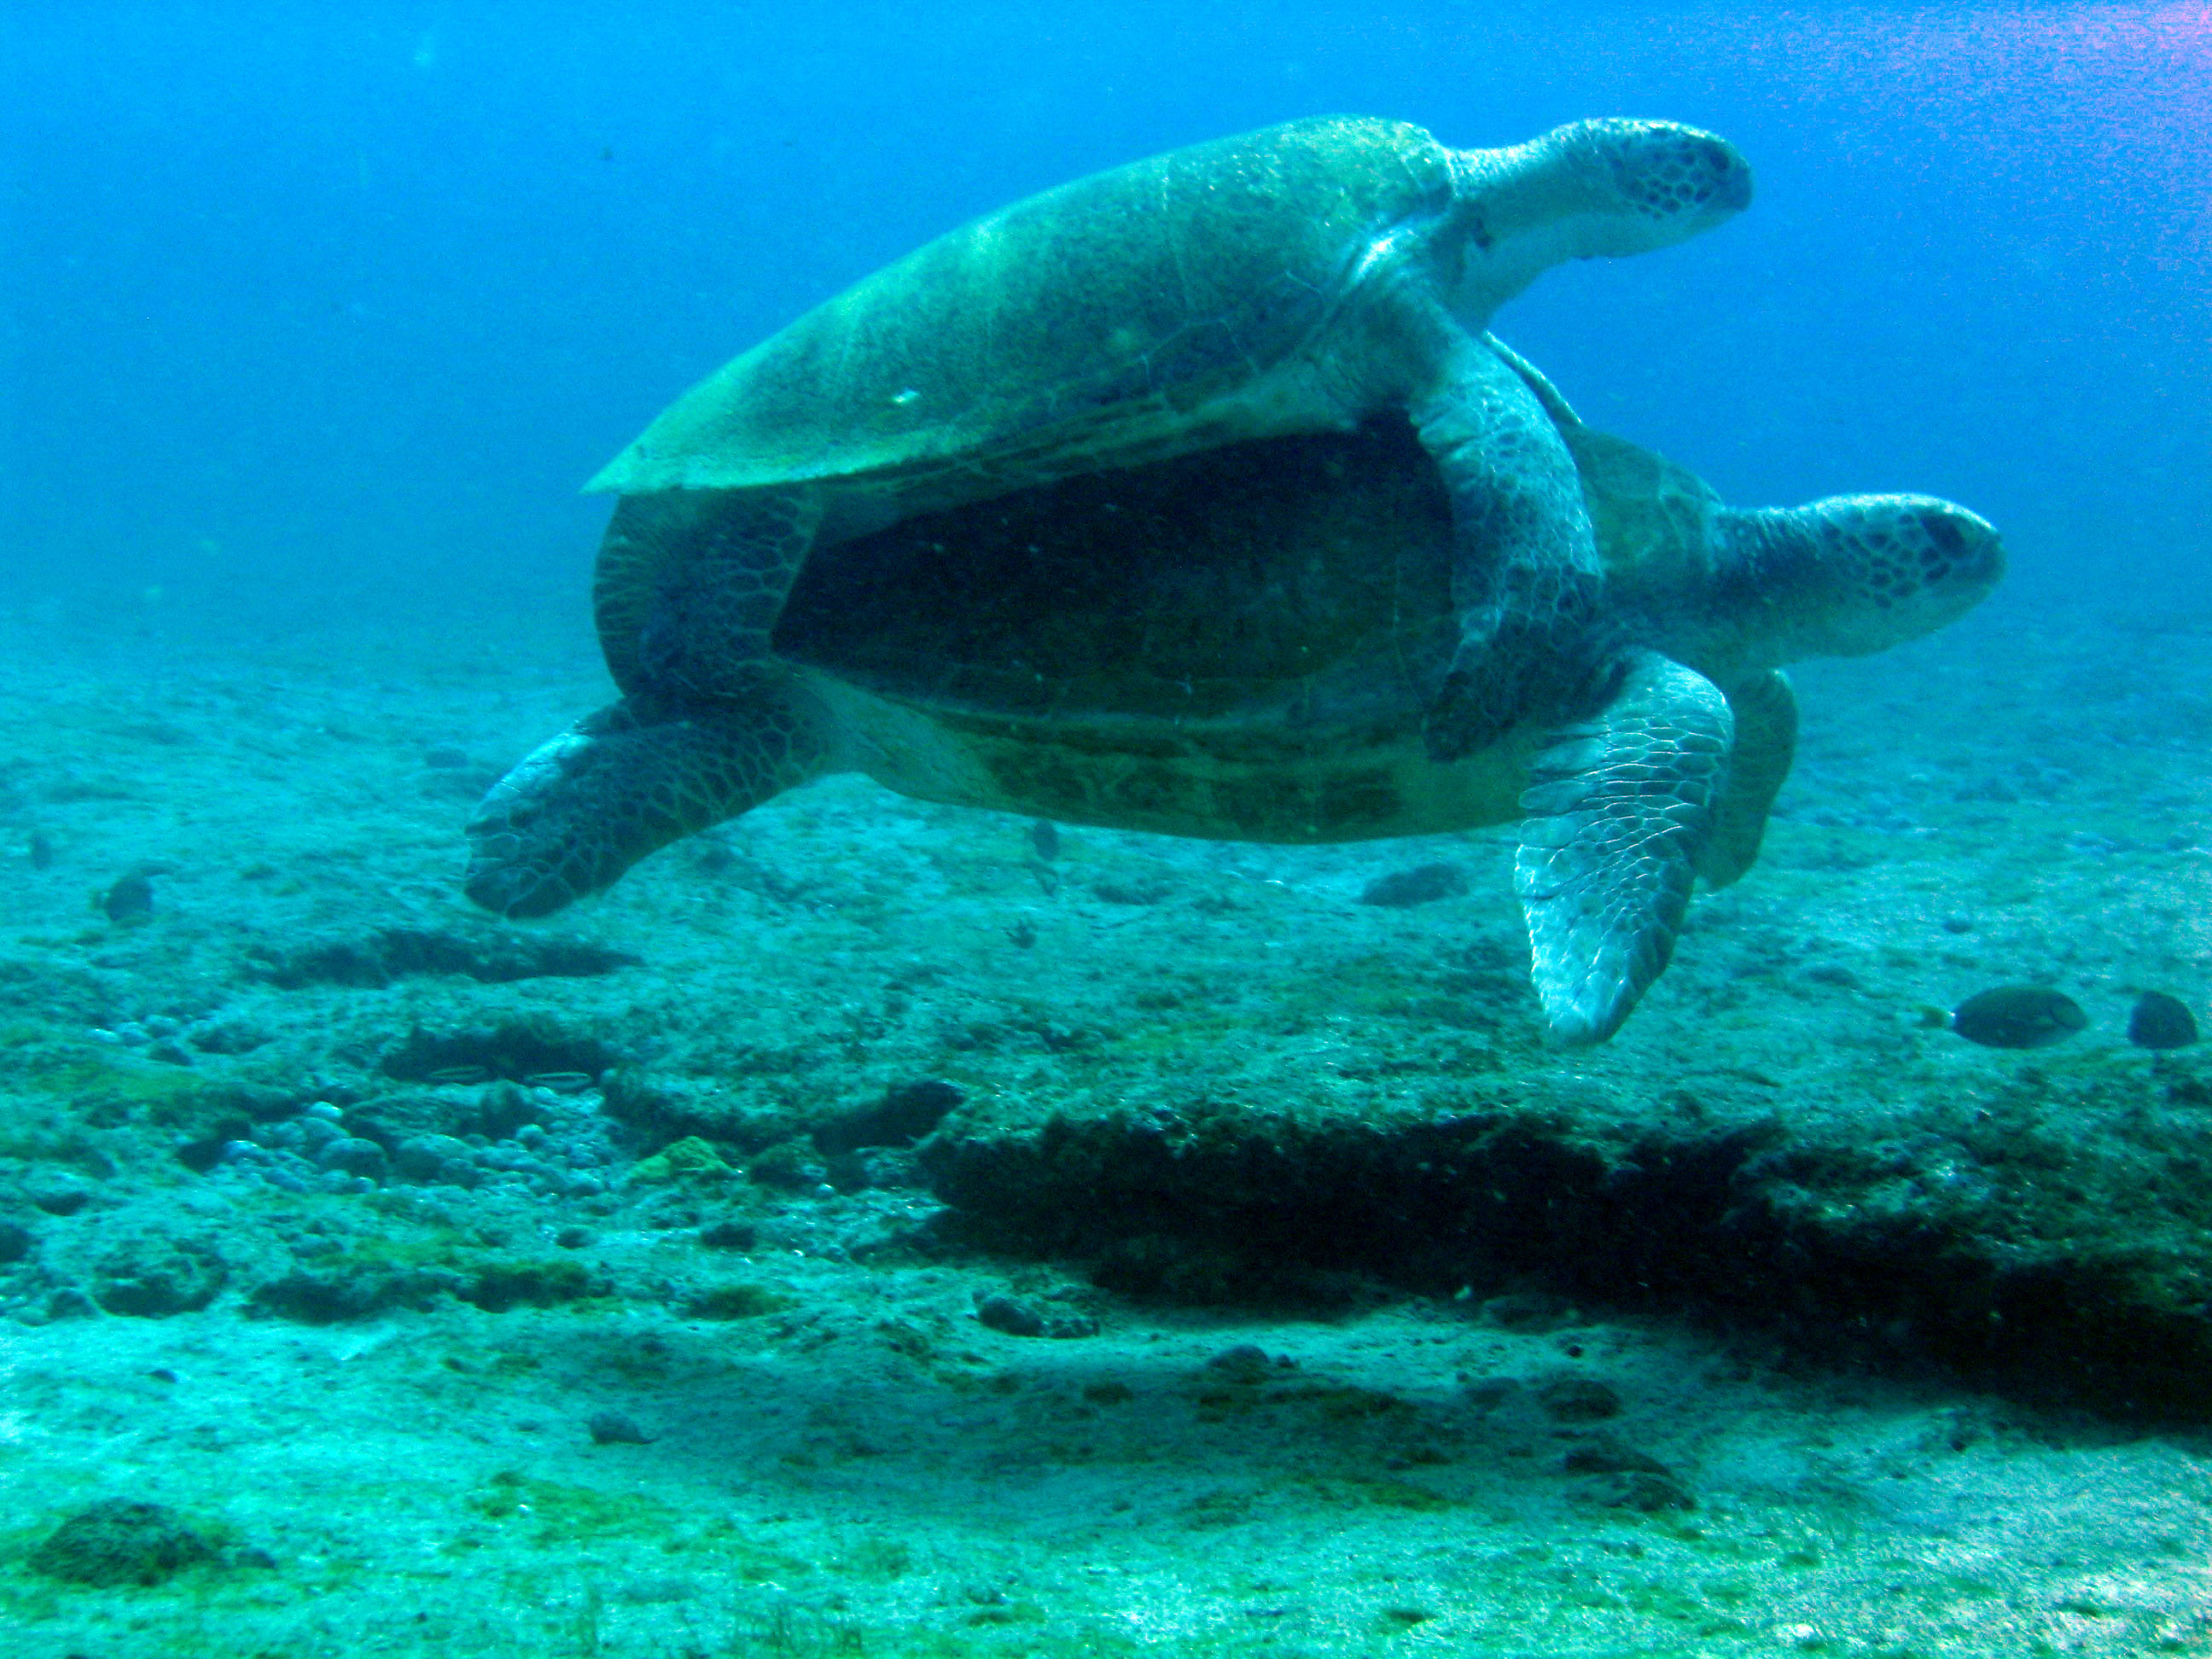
(1396,835)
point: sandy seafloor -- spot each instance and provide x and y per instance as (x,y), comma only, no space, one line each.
(375,1405)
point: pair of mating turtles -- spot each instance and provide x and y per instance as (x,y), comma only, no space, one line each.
(1194,497)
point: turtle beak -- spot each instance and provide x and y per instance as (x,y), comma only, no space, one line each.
(1731,177)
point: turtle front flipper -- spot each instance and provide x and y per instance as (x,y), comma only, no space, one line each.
(1525,568)
(1765,714)
(1619,811)
(580,809)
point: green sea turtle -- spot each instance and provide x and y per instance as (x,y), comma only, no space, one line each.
(1295,279)
(1245,643)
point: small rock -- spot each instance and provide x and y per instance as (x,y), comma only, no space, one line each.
(130,900)
(1148,891)
(61,1200)
(613,1429)
(2160,1021)
(1247,1362)
(15,1241)
(730,1236)
(1578,1399)
(70,1303)
(153,1276)
(1647,1494)
(902,1116)
(425,1158)
(354,1157)
(1488,1393)
(1530,1310)
(1015,1318)
(1603,1455)
(118,1541)
(1423,885)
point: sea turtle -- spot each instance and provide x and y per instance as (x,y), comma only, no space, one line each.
(1295,279)
(1244,643)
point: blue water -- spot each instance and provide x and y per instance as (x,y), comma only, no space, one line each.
(337,308)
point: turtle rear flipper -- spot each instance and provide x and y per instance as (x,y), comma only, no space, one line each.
(1619,809)
(580,809)
(690,584)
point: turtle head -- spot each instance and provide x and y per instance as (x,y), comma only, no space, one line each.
(1587,190)
(1651,184)
(1850,575)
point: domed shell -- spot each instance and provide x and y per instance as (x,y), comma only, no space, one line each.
(1145,291)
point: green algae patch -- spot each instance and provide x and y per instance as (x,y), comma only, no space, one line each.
(103,1087)
(684,1162)
(118,1541)
(375,1275)
(504,1282)
(1379,1491)
(560,1515)
(737,1299)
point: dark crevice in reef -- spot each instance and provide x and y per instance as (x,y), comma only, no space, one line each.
(1743,1225)
(520,1051)
(374,959)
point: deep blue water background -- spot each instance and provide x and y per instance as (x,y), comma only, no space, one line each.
(314,312)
